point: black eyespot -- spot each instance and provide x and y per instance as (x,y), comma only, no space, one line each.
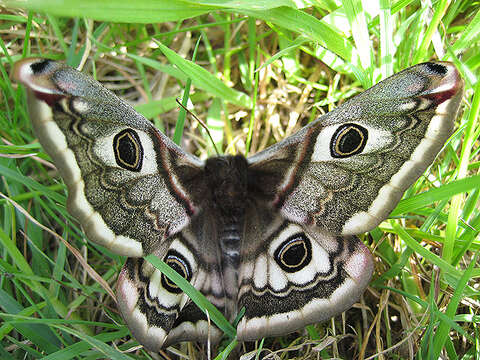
(178,263)
(437,68)
(348,140)
(128,150)
(294,253)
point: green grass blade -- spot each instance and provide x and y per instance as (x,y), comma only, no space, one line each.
(310,27)
(140,11)
(206,81)
(439,11)
(444,327)
(469,36)
(462,171)
(442,193)
(182,113)
(358,25)
(428,255)
(108,351)
(82,347)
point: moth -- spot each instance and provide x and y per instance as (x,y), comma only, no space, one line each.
(273,233)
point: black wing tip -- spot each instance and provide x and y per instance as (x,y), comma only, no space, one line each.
(449,84)
(24,69)
(39,67)
(439,68)
(37,74)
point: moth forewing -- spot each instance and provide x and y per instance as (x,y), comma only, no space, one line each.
(346,171)
(113,160)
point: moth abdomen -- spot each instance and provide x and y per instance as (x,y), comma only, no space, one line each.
(227,180)
(229,238)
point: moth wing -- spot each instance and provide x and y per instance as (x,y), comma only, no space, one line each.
(294,275)
(346,171)
(129,186)
(156,311)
